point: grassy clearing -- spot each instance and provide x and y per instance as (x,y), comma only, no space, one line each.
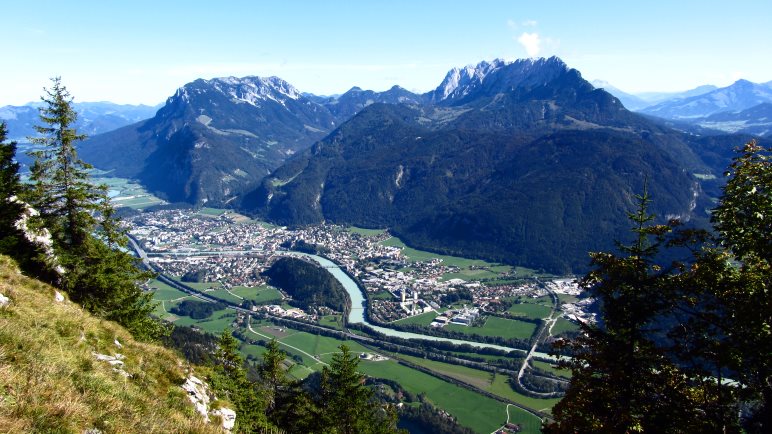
(420,255)
(52,382)
(495,326)
(263,294)
(163,291)
(129,194)
(530,310)
(423,319)
(365,232)
(215,324)
(212,211)
(381,295)
(563,325)
(222,294)
(333,321)
(565,373)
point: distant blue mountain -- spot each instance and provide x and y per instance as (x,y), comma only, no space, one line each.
(93,117)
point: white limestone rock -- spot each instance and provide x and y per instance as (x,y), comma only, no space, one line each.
(227,416)
(198,395)
(4,301)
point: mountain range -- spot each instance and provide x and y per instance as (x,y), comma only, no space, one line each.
(523,162)
(93,117)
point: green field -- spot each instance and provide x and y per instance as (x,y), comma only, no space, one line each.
(563,325)
(333,321)
(473,410)
(502,388)
(549,368)
(215,324)
(420,255)
(530,310)
(263,294)
(496,384)
(423,319)
(130,194)
(495,326)
(212,211)
(365,232)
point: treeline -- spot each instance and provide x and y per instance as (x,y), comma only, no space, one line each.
(197,309)
(308,284)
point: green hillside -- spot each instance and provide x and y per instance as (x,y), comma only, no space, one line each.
(51,379)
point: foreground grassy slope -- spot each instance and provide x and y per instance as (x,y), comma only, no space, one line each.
(52,381)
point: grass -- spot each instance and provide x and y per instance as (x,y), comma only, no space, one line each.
(165,292)
(565,373)
(52,382)
(502,388)
(222,294)
(530,310)
(263,294)
(423,319)
(420,255)
(130,194)
(212,211)
(365,232)
(478,412)
(332,321)
(495,326)
(382,295)
(215,324)
(563,325)
(496,384)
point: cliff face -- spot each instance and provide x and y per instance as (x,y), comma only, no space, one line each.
(63,370)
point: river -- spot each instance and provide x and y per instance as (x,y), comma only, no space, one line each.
(358,306)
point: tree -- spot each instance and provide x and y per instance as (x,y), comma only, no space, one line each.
(743,221)
(346,405)
(622,381)
(229,381)
(12,240)
(272,374)
(86,236)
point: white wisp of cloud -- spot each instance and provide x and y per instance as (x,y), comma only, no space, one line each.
(531,42)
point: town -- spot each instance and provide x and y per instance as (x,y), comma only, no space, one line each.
(232,250)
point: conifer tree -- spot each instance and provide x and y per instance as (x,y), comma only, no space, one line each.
(621,380)
(345,404)
(80,217)
(230,382)
(12,241)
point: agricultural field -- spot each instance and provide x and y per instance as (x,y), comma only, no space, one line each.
(365,232)
(473,410)
(495,326)
(488,381)
(125,193)
(530,310)
(333,321)
(563,325)
(565,373)
(423,319)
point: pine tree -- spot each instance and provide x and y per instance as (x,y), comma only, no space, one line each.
(230,382)
(272,374)
(345,404)
(13,242)
(621,380)
(79,215)
(743,221)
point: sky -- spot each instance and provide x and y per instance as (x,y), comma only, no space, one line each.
(138,51)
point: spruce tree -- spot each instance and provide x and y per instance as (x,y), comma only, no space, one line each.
(345,404)
(622,381)
(87,238)
(14,242)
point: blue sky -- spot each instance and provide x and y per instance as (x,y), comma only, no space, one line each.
(141,51)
